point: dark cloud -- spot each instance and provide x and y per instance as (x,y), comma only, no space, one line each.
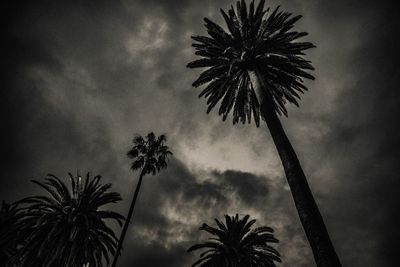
(81,79)
(173,205)
(246,185)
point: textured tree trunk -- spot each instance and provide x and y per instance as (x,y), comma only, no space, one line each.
(310,217)
(128,219)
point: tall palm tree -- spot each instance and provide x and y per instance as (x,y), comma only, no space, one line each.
(150,155)
(68,228)
(235,244)
(254,69)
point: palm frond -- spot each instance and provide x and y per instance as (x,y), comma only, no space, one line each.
(257,41)
(67,230)
(149,153)
(234,243)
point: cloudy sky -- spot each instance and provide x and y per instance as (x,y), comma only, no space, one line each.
(83,79)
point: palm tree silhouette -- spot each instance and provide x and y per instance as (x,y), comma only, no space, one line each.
(254,70)
(69,229)
(234,244)
(150,155)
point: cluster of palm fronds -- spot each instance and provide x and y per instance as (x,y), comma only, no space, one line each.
(150,154)
(235,244)
(257,41)
(63,228)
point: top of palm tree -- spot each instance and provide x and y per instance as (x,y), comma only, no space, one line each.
(234,244)
(257,40)
(67,228)
(150,154)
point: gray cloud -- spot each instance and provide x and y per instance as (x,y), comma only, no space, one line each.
(175,203)
(81,79)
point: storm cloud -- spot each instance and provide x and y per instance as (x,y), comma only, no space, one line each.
(82,79)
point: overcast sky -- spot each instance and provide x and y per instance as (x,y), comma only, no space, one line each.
(81,80)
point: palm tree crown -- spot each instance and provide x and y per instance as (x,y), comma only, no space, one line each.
(235,244)
(69,229)
(255,42)
(150,154)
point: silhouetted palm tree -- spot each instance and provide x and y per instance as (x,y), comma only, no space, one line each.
(150,155)
(69,229)
(234,244)
(255,69)
(9,216)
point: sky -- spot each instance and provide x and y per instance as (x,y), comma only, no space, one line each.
(82,79)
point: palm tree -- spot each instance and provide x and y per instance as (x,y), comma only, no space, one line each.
(149,155)
(69,229)
(254,69)
(235,245)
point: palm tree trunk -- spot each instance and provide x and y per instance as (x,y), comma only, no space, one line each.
(310,217)
(128,219)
